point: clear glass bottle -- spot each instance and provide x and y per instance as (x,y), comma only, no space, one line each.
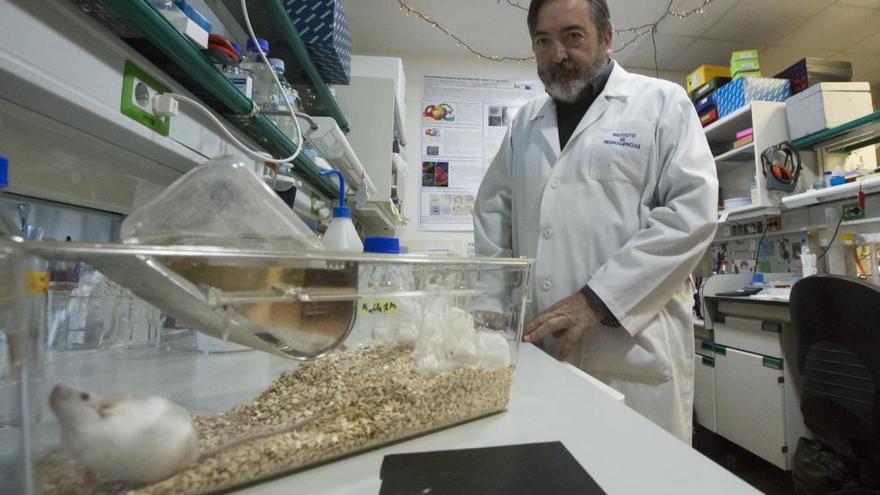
(262,78)
(238,76)
(279,99)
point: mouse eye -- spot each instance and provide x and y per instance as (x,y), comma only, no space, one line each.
(83,396)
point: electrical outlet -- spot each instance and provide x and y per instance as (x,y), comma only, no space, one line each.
(138,90)
(852,211)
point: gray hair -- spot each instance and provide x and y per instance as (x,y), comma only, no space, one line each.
(598,10)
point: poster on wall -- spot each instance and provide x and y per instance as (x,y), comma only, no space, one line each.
(464,121)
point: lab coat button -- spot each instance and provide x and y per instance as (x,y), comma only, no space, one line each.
(555,183)
(548,233)
(547,285)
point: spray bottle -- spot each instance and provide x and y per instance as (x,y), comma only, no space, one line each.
(341,235)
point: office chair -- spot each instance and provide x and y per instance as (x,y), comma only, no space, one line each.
(837,324)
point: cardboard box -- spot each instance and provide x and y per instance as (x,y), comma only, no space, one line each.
(752,73)
(741,92)
(186,26)
(704,74)
(811,70)
(704,104)
(324,29)
(827,105)
(707,89)
(709,117)
(743,55)
(745,65)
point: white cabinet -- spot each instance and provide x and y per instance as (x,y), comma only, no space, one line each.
(757,401)
(704,391)
(750,394)
(372,103)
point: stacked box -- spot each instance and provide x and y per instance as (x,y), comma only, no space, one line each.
(707,89)
(811,70)
(704,74)
(741,92)
(324,29)
(745,63)
(827,105)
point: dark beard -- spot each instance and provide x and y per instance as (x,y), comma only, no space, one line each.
(566,80)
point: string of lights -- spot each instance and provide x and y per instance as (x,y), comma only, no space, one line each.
(636,32)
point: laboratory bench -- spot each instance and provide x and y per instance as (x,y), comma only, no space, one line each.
(551,401)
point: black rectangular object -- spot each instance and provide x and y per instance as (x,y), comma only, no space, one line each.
(708,88)
(509,470)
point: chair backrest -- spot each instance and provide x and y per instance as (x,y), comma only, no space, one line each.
(837,320)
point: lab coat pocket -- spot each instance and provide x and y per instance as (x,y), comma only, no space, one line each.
(622,152)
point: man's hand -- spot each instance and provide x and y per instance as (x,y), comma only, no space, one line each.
(567,320)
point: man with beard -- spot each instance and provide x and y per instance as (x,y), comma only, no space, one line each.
(608,182)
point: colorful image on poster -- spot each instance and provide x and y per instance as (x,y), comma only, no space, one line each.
(435,174)
(464,121)
(441,112)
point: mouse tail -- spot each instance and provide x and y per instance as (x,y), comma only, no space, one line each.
(253,437)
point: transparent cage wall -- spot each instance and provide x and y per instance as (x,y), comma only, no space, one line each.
(357,350)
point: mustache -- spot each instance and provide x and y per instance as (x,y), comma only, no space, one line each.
(565,70)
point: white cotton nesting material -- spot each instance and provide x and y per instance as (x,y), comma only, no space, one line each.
(449,340)
(401,327)
(493,351)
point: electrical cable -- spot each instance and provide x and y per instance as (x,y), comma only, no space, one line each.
(758,253)
(299,136)
(831,242)
(259,155)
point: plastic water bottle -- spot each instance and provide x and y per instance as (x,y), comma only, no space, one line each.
(253,64)
(808,260)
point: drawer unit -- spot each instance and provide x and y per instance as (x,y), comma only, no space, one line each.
(704,347)
(750,403)
(753,335)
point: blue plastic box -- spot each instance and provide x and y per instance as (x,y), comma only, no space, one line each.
(740,92)
(324,29)
(705,104)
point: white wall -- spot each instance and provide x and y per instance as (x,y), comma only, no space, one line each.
(416,67)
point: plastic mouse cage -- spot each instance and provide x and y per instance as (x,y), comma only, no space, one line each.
(370,349)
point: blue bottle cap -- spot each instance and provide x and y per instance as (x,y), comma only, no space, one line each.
(4,172)
(342,212)
(277,64)
(252,45)
(758,278)
(387,245)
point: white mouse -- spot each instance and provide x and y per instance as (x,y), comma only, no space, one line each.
(142,440)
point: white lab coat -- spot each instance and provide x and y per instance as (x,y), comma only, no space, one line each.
(628,207)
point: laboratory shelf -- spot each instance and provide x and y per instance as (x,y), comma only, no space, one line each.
(742,154)
(747,212)
(844,138)
(829,194)
(139,25)
(270,22)
(725,129)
